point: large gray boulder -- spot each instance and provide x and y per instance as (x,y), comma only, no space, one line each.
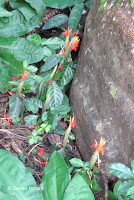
(102,92)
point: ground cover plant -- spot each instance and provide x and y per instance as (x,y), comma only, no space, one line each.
(36,73)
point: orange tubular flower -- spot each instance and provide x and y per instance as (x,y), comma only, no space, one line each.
(71,122)
(59,67)
(75,43)
(99,146)
(99,149)
(67,32)
(24,76)
(6,117)
(50,83)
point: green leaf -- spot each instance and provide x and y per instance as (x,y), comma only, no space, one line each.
(53,42)
(38,5)
(24,8)
(62,110)
(31,120)
(55,21)
(17,181)
(55,178)
(66,100)
(59,130)
(14,106)
(111,195)
(53,120)
(32,68)
(120,170)
(34,38)
(44,116)
(66,76)
(47,52)
(132,4)
(31,106)
(60,4)
(125,186)
(130,191)
(116,188)
(4,196)
(75,16)
(4,12)
(56,96)
(76,162)
(37,102)
(113,91)
(10,64)
(22,49)
(23,20)
(95,186)
(132,165)
(50,63)
(78,189)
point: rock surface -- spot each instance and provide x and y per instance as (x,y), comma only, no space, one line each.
(102,92)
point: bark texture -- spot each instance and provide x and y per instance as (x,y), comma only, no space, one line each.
(102,92)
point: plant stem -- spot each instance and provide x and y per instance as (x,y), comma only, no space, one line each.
(66,136)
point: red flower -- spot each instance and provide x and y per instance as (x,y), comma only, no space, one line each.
(59,146)
(50,83)
(34,126)
(24,76)
(41,152)
(59,67)
(76,33)
(75,43)
(6,117)
(44,163)
(67,32)
(71,122)
(99,146)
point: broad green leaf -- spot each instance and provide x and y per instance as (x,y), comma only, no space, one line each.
(66,76)
(78,189)
(5,196)
(116,188)
(31,120)
(17,24)
(132,165)
(16,180)
(75,16)
(56,96)
(10,64)
(66,100)
(55,178)
(14,106)
(44,116)
(22,49)
(60,4)
(120,170)
(53,42)
(50,63)
(31,106)
(130,191)
(55,21)
(132,4)
(125,186)
(4,12)
(47,52)
(32,68)
(34,38)
(62,109)
(53,120)
(59,130)
(76,162)
(37,102)
(38,5)
(27,11)
(111,195)
(95,186)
